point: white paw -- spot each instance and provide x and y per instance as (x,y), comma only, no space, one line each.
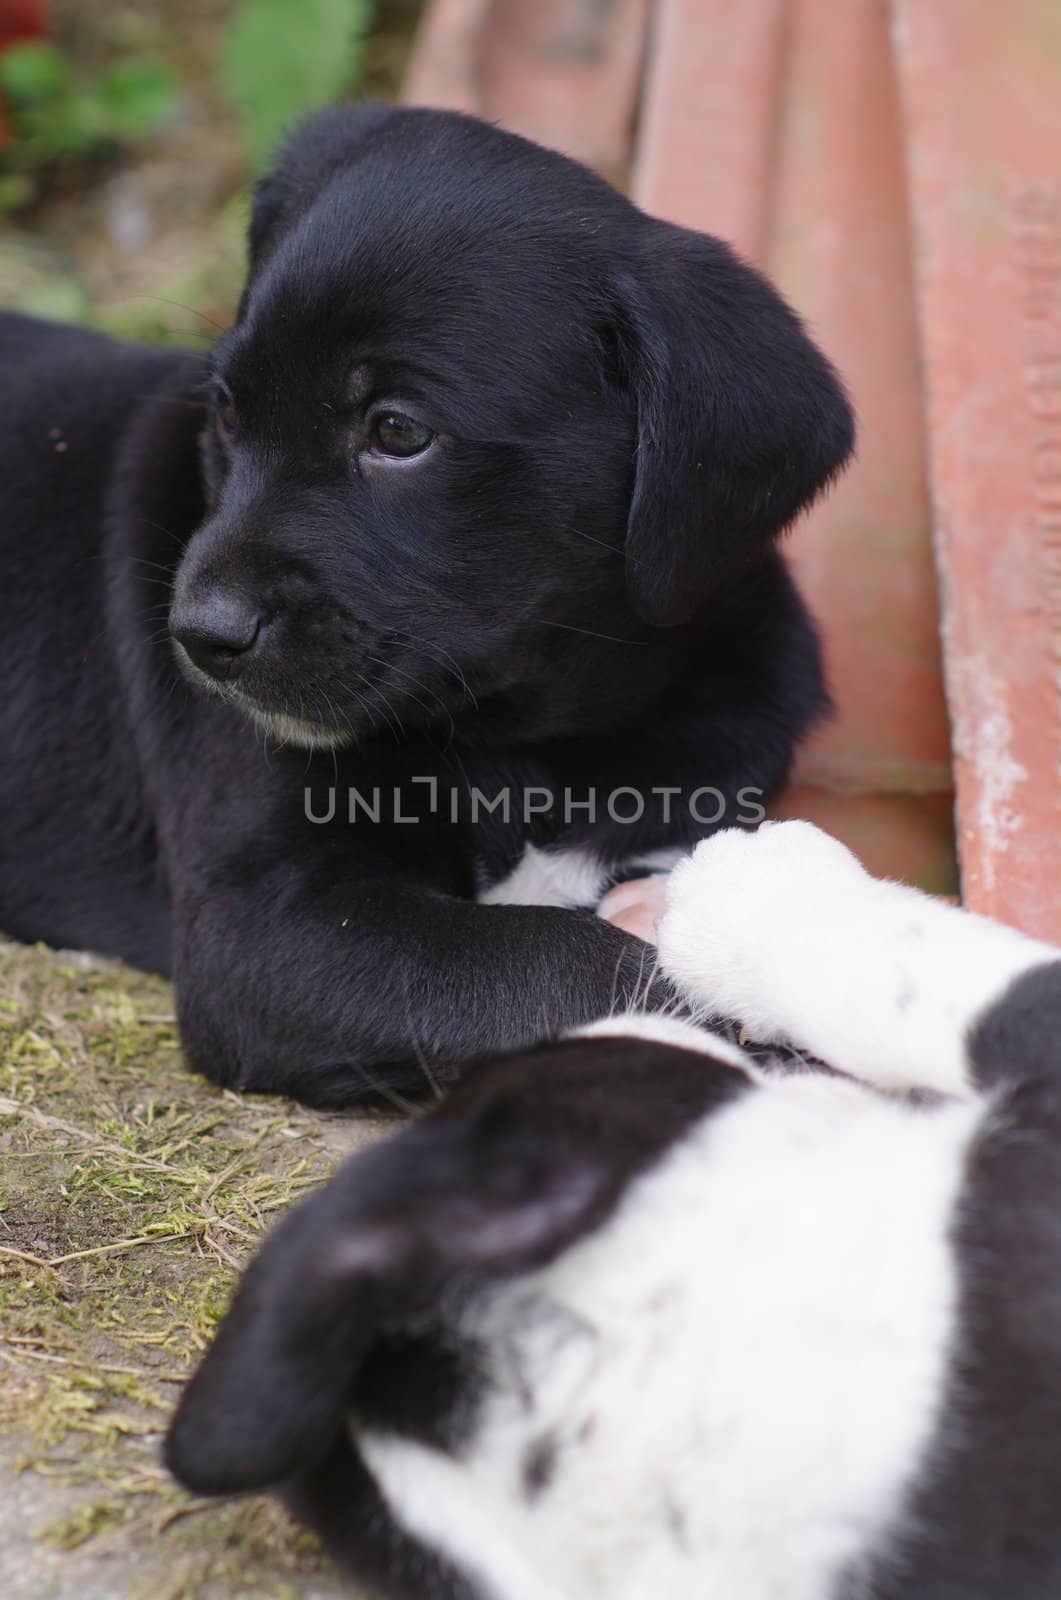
(735,910)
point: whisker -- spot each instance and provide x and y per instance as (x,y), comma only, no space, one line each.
(421,1058)
(616,550)
(615,987)
(443,657)
(178,305)
(155,566)
(388,1092)
(569,627)
(174,399)
(389,666)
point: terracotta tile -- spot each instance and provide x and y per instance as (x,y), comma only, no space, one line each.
(564,72)
(981,89)
(709,114)
(568,73)
(443,71)
(777,126)
(840,250)
(907,836)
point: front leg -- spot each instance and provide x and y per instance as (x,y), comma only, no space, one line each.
(784,931)
(364,986)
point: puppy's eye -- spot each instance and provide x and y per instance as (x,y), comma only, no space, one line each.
(226,419)
(395,434)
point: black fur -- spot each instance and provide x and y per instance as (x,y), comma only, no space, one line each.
(625,417)
(983,1521)
(1023,1025)
(341,1501)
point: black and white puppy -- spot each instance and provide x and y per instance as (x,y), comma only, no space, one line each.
(470,517)
(631,1318)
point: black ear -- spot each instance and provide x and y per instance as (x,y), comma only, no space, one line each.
(318,148)
(741,421)
(374,1248)
(527,1155)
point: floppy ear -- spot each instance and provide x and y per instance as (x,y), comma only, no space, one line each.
(318,148)
(741,421)
(372,1249)
(528,1154)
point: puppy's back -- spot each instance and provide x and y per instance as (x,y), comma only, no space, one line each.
(983,1522)
(77,867)
(66,397)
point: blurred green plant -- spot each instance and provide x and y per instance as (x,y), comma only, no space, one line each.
(283,58)
(58,117)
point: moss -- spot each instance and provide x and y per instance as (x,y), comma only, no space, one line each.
(130,1193)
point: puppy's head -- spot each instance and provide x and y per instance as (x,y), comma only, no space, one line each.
(362,1320)
(477,412)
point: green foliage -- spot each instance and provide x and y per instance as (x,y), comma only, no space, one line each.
(137,96)
(33,71)
(59,118)
(283,58)
(57,297)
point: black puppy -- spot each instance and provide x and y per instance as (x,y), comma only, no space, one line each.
(472,509)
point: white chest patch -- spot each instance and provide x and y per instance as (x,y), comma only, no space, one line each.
(728,1388)
(569,878)
(549,878)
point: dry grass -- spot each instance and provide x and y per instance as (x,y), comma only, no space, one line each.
(129,1194)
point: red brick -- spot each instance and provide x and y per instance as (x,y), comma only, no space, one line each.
(981,89)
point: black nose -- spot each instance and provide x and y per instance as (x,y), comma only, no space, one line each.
(219,634)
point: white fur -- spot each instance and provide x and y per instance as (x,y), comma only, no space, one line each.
(428,1494)
(667,1030)
(296,731)
(785,932)
(756,1344)
(566,877)
(549,878)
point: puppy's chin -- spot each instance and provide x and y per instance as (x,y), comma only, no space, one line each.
(295,730)
(286,730)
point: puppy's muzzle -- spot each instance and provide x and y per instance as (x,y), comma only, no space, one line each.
(220,633)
